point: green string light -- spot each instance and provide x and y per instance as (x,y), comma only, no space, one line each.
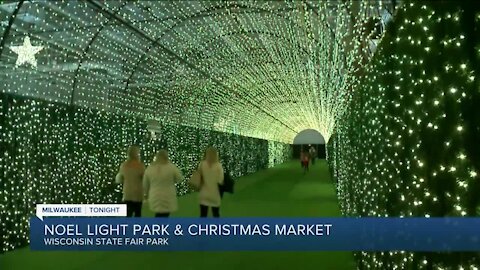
(260,69)
(406,145)
(47,158)
(227,71)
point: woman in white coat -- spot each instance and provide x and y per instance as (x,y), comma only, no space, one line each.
(130,175)
(159,185)
(212,176)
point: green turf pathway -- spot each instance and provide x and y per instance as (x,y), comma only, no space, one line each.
(282,191)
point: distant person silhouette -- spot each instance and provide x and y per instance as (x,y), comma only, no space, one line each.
(304,157)
(313,154)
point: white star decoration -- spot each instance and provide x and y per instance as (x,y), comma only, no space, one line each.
(26,52)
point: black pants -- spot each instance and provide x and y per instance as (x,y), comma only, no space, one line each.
(134,208)
(204,211)
(162,214)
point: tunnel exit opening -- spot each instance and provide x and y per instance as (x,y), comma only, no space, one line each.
(307,138)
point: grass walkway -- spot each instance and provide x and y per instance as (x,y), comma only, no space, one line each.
(279,192)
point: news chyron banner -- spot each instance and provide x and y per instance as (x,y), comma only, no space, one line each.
(105,227)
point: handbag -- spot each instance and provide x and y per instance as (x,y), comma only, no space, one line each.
(195,180)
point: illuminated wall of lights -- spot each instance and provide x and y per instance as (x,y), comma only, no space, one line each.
(221,71)
(52,153)
(409,144)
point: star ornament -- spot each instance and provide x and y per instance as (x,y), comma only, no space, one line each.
(26,53)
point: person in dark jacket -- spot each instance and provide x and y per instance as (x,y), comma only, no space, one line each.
(313,154)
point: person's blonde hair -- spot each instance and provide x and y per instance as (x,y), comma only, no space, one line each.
(161,155)
(211,155)
(133,152)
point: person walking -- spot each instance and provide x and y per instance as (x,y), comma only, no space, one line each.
(159,185)
(313,154)
(305,161)
(130,176)
(212,175)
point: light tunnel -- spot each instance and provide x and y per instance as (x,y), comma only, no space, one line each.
(171,61)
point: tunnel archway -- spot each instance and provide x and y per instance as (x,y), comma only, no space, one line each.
(174,68)
(307,138)
(243,76)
